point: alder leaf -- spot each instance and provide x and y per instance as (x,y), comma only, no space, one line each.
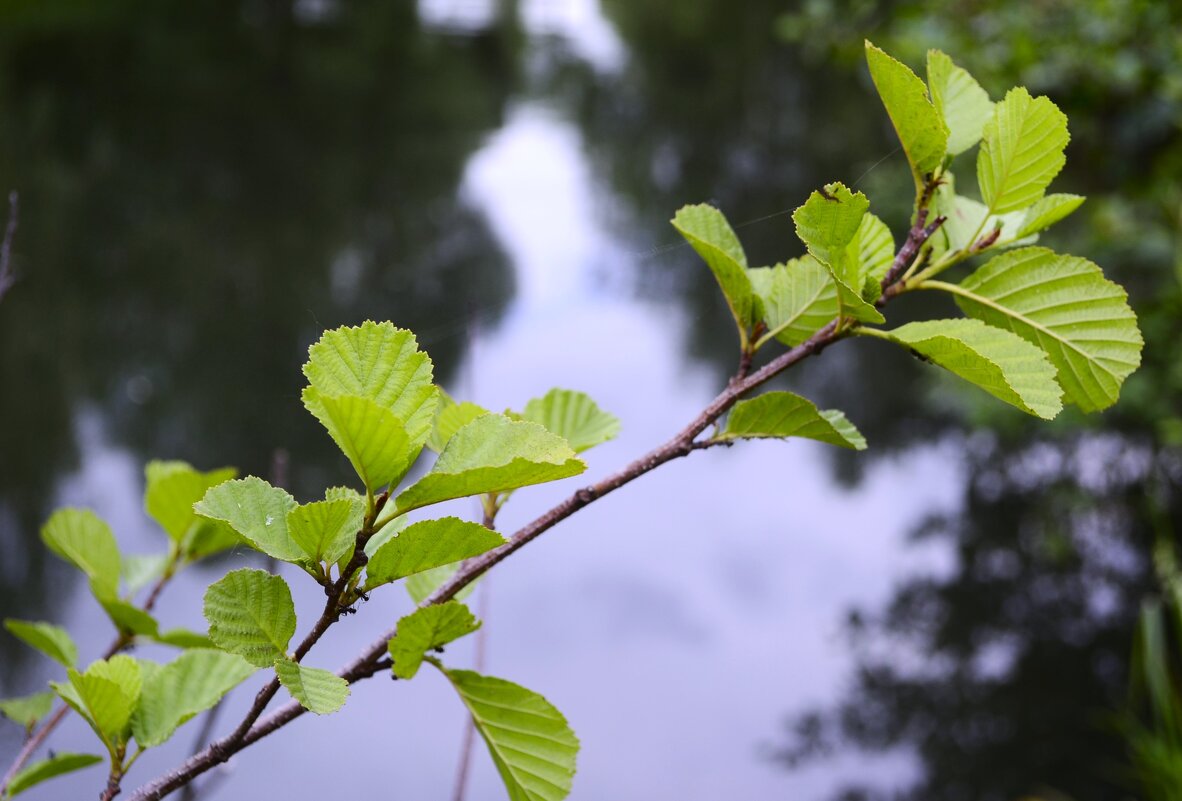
(26,710)
(129,619)
(799,298)
(427,545)
(171,490)
(326,530)
(81,538)
(99,698)
(46,769)
(190,684)
(1065,306)
(1048,211)
(963,220)
(381,363)
(827,223)
(420,586)
(449,419)
(574,416)
(183,638)
(1021,151)
(998,361)
(873,250)
(250,613)
(139,570)
(960,100)
(493,454)
(53,641)
(373,438)
(919,126)
(427,628)
(709,233)
(258,512)
(780,415)
(318,691)
(529,740)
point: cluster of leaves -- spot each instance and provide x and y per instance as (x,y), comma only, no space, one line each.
(1041,329)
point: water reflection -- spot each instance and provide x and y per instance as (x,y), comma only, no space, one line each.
(204,191)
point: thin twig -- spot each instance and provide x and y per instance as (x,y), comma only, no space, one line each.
(7,279)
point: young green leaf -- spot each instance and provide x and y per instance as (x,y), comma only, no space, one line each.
(326,530)
(172,489)
(140,570)
(318,691)
(81,538)
(420,586)
(960,100)
(780,415)
(873,250)
(51,640)
(257,511)
(574,417)
(827,223)
(190,684)
(1066,306)
(208,537)
(125,671)
(425,629)
(998,361)
(426,545)
(46,769)
(920,127)
(383,535)
(103,698)
(963,220)
(493,454)
(449,419)
(1047,212)
(372,437)
(183,638)
(1021,151)
(129,619)
(709,233)
(799,298)
(381,363)
(27,709)
(251,614)
(529,740)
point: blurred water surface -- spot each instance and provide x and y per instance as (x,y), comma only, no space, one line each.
(205,189)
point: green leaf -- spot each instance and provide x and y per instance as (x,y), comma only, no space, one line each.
(425,629)
(385,534)
(920,127)
(140,570)
(318,691)
(493,454)
(173,488)
(183,638)
(529,740)
(964,220)
(51,640)
(873,249)
(81,538)
(420,586)
(426,545)
(1021,151)
(209,537)
(105,696)
(998,361)
(799,298)
(257,511)
(450,418)
(46,769)
(1066,306)
(372,437)
(960,100)
(827,223)
(326,530)
(27,709)
(709,233)
(574,417)
(187,686)
(1047,212)
(381,363)
(783,414)
(250,613)
(129,619)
